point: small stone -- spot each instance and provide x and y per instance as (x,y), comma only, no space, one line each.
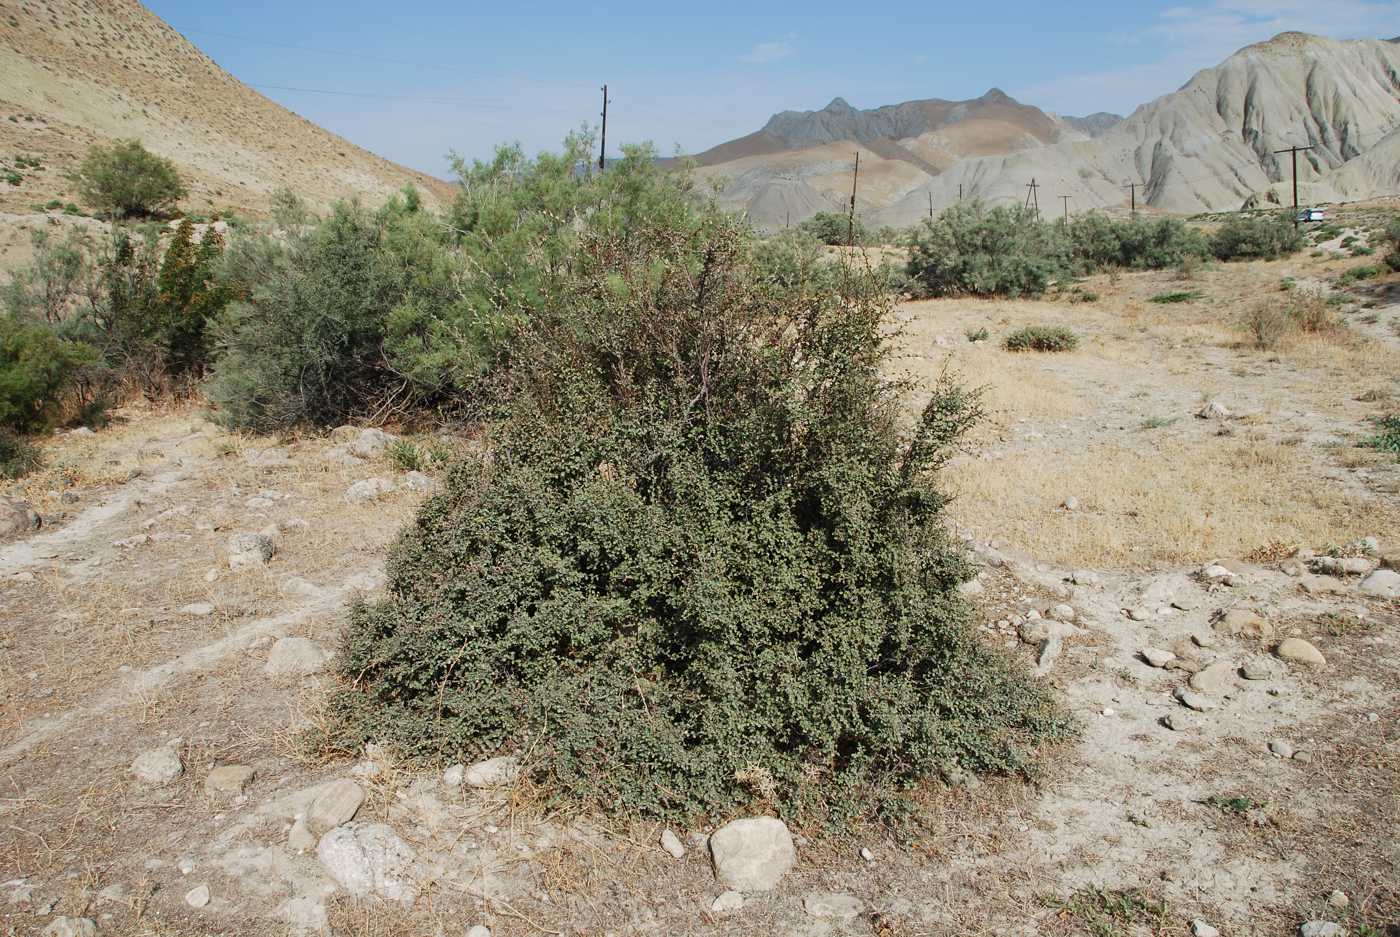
(370,489)
(1338,899)
(336,805)
(198,609)
(672,844)
(198,896)
(1382,584)
(369,859)
(1063,612)
(752,854)
(1298,651)
(728,901)
(1176,722)
(1213,410)
(417,481)
(1184,665)
(866,854)
(71,927)
(1213,679)
(1281,749)
(454,776)
(494,772)
(250,550)
(158,766)
(1191,700)
(293,656)
(1138,613)
(1200,928)
(1322,585)
(1242,623)
(229,779)
(301,839)
(1106,711)
(842,907)
(371,443)
(1084,577)
(1257,669)
(1070,504)
(1216,572)
(1303,758)
(1322,929)
(185,865)
(1157,657)
(478,930)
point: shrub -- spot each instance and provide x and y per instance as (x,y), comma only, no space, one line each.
(977,335)
(1310,311)
(1357,274)
(703,568)
(17,457)
(1175,297)
(1256,237)
(985,252)
(1387,436)
(1041,338)
(1392,240)
(37,368)
(1098,241)
(1266,324)
(125,179)
(829,227)
(407,456)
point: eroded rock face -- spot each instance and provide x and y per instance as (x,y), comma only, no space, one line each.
(753,854)
(369,859)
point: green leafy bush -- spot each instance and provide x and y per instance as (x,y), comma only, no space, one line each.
(1098,241)
(1180,296)
(37,368)
(126,179)
(1392,241)
(833,228)
(703,567)
(974,250)
(1387,435)
(1041,338)
(1256,237)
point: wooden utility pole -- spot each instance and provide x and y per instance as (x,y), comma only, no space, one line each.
(1033,196)
(851,220)
(1133,187)
(930,205)
(1065,199)
(603,150)
(1295,150)
(960,191)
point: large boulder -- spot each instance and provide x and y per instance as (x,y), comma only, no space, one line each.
(752,854)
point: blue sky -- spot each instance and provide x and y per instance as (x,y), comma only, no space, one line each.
(433,75)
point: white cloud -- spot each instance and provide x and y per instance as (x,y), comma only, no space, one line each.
(1195,36)
(765,52)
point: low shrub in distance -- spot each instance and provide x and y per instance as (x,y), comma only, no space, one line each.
(979,251)
(1256,237)
(1041,338)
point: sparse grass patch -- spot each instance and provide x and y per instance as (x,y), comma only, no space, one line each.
(1157,422)
(407,455)
(1238,806)
(1266,323)
(17,457)
(977,335)
(1179,296)
(1114,912)
(1358,274)
(1387,436)
(1041,338)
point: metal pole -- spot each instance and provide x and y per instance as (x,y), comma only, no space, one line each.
(851,221)
(603,149)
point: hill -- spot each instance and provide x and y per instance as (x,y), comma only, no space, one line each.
(1208,147)
(78,72)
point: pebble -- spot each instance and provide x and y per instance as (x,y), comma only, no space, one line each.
(866,854)
(1063,612)
(158,766)
(229,779)
(1157,657)
(493,772)
(1192,700)
(1214,678)
(1200,928)
(1242,623)
(1338,899)
(1322,929)
(1256,669)
(1139,614)
(337,805)
(455,776)
(1299,651)
(1281,749)
(672,844)
(1303,758)
(198,896)
(479,930)
(1070,504)
(1176,722)
(752,854)
(369,489)
(728,901)
(198,609)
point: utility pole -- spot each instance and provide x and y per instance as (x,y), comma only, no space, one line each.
(960,191)
(1295,150)
(1033,196)
(930,204)
(851,221)
(1133,187)
(603,150)
(1065,199)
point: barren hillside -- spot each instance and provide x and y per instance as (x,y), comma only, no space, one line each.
(1207,147)
(78,72)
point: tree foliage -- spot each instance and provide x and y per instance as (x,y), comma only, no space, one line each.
(125,179)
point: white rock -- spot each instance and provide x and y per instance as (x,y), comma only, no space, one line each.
(1063,612)
(71,927)
(1215,572)
(494,772)
(479,930)
(198,896)
(1191,700)
(371,443)
(729,901)
(839,906)
(369,859)
(1200,928)
(1157,657)
(295,656)
(158,766)
(672,844)
(1281,749)
(1338,899)
(1213,679)
(198,609)
(1213,410)
(866,854)
(1299,651)
(454,776)
(752,854)
(1383,584)
(250,550)
(1322,929)
(1070,504)
(417,481)
(370,489)
(336,805)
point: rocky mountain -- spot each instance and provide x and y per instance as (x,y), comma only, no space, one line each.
(78,72)
(1209,146)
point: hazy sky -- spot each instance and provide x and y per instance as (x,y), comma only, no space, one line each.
(416,78)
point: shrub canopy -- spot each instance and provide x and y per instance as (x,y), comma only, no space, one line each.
(1256,237)
(702,566)
(127,179)
(975,250)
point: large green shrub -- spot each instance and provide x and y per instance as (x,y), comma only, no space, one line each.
(1256,237)
(1098,241)
(37,368)
(703,566)
(1041,338)
(971,249)
(126,179)
(1391,240)
(829,227)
